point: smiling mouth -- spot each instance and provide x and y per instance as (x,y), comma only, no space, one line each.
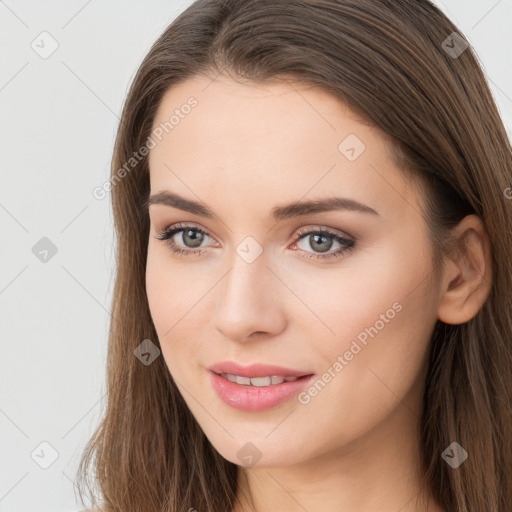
(271,380)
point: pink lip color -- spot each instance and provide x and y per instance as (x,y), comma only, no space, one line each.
(254,398)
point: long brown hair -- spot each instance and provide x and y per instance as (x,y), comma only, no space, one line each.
(400,66)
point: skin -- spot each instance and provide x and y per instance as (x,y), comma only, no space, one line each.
(244,149)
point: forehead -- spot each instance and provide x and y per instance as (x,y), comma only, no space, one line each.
(245,110)
(261,140)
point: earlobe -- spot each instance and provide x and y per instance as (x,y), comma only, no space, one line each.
(467,278)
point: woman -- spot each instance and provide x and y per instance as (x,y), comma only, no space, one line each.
(312,301)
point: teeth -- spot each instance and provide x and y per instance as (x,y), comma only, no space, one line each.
(246,381)
(261,381)
(257,381)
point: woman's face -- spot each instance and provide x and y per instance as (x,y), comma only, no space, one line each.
(341,294)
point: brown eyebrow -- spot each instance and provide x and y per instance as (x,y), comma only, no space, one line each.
(288,211)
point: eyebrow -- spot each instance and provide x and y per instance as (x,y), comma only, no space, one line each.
(292,210)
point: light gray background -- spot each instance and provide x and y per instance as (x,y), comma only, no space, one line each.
(58,121)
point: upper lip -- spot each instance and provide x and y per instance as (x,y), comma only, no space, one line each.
(255,370)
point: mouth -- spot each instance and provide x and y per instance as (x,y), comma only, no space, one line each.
(256,371)
(260,382)
(257,387)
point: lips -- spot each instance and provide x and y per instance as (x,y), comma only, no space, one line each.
(256,370)
(254,398)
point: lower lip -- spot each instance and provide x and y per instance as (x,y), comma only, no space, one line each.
(256,398)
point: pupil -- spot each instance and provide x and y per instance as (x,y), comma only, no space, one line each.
(196,240)
(323,239)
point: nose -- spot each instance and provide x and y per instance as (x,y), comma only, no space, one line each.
(250,303)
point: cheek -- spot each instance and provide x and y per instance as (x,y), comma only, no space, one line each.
(169,288)
(166,300)
(371,290)
(382,311)
(178,294)
(157,287)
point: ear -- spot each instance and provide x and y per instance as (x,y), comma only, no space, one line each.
(467,277)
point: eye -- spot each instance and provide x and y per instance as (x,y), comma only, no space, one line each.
(189,234)
(320,240)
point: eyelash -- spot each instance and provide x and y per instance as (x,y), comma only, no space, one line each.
(168,233)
